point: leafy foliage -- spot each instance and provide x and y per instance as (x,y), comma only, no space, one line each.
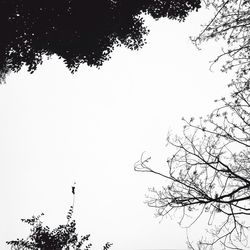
(64,237)
(107,246)
(42,237)
(77,31)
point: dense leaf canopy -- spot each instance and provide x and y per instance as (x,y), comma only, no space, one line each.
(77,31)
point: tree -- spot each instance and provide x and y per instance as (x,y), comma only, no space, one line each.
(76,31)
(209,172)
(230,22)
(64,237)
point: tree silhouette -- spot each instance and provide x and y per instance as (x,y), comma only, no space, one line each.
(75,30)
(209,172)
(64,237)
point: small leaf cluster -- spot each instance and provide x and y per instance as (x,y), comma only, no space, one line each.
(63,237)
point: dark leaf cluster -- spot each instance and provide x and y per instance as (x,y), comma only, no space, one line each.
(43,238)
(64,237)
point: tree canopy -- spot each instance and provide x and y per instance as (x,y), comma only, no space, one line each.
(76,31)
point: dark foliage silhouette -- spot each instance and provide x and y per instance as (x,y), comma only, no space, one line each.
(75,30)
(64,237)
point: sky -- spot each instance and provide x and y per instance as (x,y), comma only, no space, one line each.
(91,127)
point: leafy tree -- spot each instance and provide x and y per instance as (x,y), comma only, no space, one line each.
(77,31)
(209,172)
(64,237)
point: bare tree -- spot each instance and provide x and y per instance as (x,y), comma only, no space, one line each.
(209,173)
(231,22)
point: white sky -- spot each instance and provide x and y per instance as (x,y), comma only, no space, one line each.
(91,127)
